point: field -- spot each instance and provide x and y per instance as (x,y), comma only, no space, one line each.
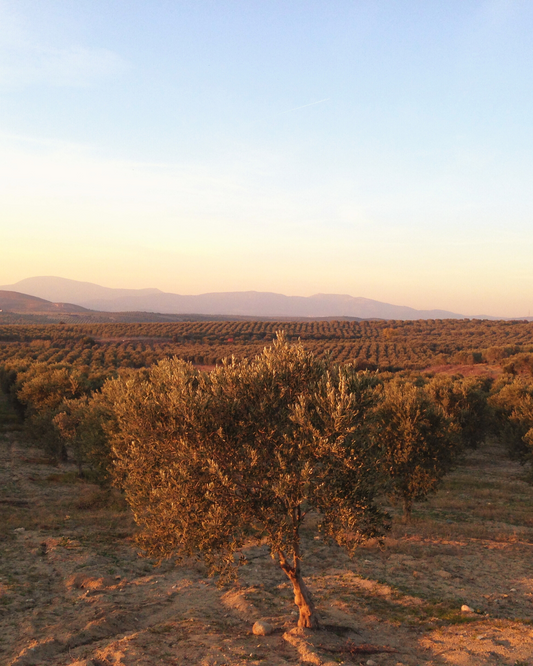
(74,591)
(384,345)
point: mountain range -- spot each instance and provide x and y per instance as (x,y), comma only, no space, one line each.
(59,291)
(17,308)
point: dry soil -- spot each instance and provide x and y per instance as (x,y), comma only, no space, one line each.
(74,591)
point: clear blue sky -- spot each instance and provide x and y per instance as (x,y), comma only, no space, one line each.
(375,148)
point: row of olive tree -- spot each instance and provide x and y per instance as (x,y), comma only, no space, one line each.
(40,394)
(512,403)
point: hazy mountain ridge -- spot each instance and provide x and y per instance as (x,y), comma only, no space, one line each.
(57,289)
(18,308)
(242,303)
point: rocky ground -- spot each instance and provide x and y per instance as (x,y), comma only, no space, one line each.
(74,591)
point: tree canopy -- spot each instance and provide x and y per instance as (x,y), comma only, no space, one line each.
(208,461)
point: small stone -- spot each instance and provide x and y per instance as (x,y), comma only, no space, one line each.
(513,589)
(371,662)
(19,529)
(466,609)
(262,628)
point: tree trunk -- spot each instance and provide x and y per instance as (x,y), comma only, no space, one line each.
(302,597)
(63,453)
(407,509)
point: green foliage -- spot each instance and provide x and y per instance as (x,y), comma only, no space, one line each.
(211,460)
(44,387)
(464,400)
(40,428)
(420,441)
(81,424)
(512,400)
(9,386)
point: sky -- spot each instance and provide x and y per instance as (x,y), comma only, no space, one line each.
(375,148)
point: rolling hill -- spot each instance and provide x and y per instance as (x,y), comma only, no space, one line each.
(13,301)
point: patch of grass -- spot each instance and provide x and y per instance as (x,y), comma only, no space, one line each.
(94,498)
(484,498)
(450,615)
(39,460)
(64,477)
(402,608)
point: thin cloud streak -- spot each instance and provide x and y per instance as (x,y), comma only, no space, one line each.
(304,106)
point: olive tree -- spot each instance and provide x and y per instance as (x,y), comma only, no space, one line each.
(82,424)
(464,400)
(512,401)
(42,389)
(421,443)
(209,461)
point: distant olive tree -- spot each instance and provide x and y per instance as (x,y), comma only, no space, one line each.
(464,400)
(83,425)
(209,461)
(512,401)
(421,443)
(43,388)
